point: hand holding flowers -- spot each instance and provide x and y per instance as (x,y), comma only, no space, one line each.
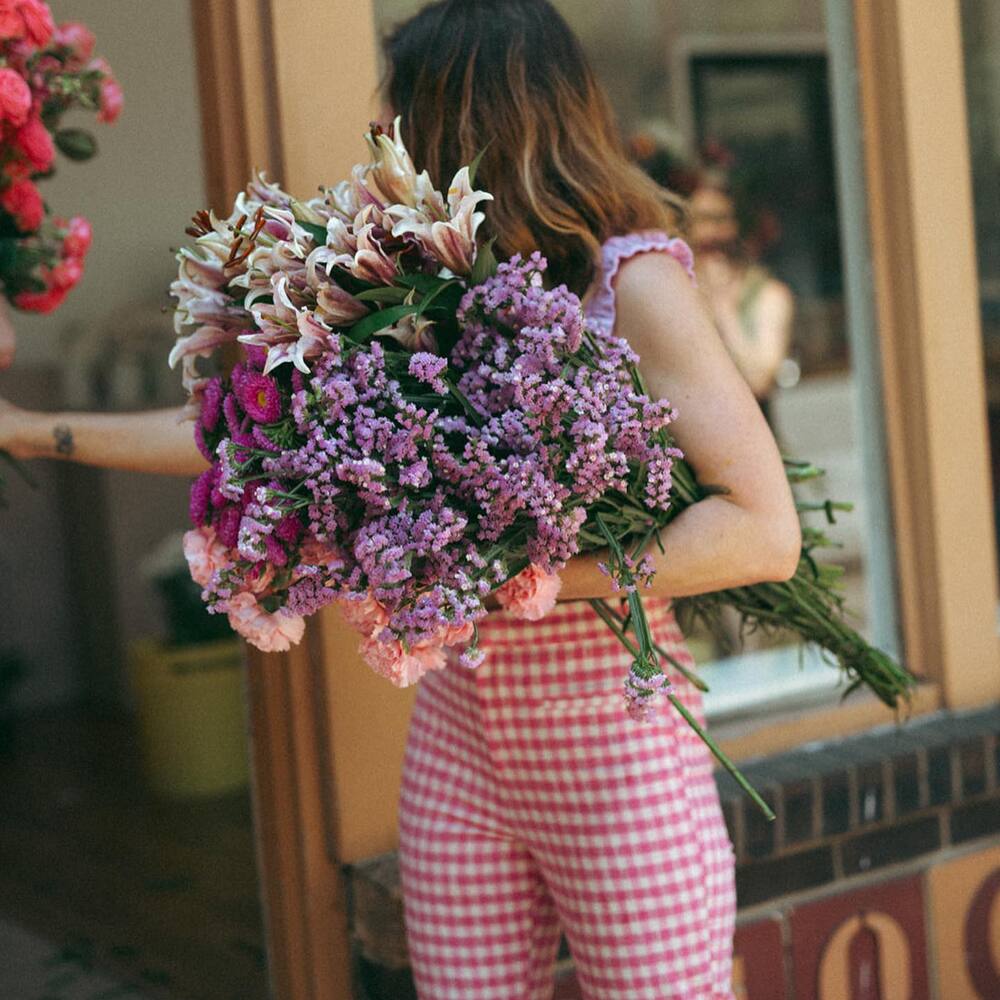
(412,429)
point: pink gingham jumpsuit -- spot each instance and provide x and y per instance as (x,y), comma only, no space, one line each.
(532,805)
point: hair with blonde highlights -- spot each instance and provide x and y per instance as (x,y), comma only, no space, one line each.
(508,78)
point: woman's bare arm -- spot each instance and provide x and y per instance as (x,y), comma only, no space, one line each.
(150,441)
(749,535)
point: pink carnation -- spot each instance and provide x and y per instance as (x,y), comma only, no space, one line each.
(454,635)
(22,200)
(15,96)
(367,616)
(259,578)
(272,633)
(401,668)
(205,554)
(313,552)
(531,594)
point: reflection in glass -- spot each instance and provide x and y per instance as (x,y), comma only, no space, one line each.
(981,34)
(751,79)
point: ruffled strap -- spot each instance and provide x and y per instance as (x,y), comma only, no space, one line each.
(601,307)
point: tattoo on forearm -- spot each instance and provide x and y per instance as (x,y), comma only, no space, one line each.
(63,437)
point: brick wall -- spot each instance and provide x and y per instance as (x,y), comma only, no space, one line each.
(855,880)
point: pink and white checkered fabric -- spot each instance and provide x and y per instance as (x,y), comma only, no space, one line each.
(531,804)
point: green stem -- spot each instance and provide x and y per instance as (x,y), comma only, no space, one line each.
(721,756)
(614,621)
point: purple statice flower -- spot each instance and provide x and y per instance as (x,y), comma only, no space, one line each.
(429,368)
(260,397)
(308,594)
(229,481)
(642,693)
(659,477)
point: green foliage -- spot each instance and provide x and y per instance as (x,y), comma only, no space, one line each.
(76,144)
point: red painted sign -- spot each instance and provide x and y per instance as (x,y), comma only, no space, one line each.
(759,962)
(868,944)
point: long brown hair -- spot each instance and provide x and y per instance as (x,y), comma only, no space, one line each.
(510,77)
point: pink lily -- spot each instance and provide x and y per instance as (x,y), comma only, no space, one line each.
(452,241)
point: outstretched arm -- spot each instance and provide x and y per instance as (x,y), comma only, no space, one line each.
(8,338)
(150,441)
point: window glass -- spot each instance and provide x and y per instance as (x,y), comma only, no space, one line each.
(732,105)
(981,32)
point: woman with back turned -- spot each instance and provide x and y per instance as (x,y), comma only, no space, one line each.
(531,804)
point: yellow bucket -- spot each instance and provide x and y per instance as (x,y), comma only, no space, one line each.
(192,722)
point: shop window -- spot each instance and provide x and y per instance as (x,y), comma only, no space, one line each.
(744,92)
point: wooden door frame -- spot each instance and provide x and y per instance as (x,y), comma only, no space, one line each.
(918,184)
(272,99)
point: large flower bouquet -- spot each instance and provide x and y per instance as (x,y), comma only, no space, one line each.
(410,428)
(45,71)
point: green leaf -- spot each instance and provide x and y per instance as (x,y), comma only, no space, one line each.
(75,143)
(8,254)
(425,283)
(427,301)
(376,321)
(391,294)
(474,165)
(485,265)
(318,233)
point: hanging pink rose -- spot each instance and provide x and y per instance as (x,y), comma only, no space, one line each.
(66,274)
(40,302)
(531,594)
(75,36)
(112,100)
(35,142)
(22,200)
(27,19)
(37,20)
(78,237)
(15,95)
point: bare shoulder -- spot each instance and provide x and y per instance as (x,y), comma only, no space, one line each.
(651,274)
(657,304)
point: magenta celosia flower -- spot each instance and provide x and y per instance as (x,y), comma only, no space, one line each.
(260,398)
